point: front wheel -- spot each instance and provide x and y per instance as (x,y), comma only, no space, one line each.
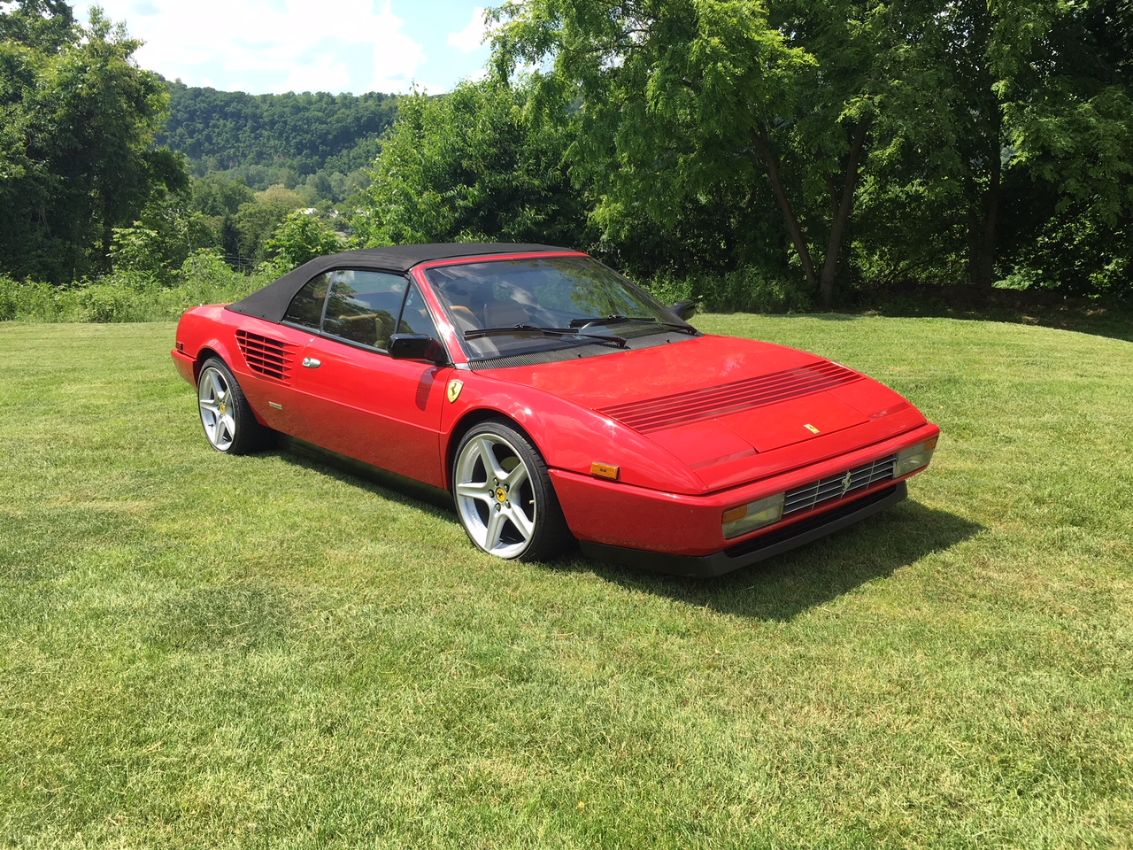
(230,426)
(504,496)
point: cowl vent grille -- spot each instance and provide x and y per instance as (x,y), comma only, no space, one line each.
(269,357)
(657,414)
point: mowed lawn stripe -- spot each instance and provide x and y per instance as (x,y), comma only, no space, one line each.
(204,651)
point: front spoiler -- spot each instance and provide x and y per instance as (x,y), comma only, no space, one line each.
(754,550)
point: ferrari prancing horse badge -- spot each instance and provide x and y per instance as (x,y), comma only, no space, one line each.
(454,388)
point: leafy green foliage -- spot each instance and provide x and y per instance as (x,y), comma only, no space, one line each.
(746,289)
(76,151)
(470,166)
(255,221)
(766,154)
(289,139)
(938,142)
(46,25)
(1022,154)
(302,236)
(130,295)
(681,101)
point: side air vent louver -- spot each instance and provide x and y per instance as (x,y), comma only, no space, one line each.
(670,411)
(269,357)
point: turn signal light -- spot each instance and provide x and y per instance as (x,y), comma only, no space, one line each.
(605,470)
(914,458)
(744,518)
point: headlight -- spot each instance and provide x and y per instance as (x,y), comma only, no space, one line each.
(753,515)
(914,457)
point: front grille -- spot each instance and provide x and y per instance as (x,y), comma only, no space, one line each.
(656,414)
(268,357)
(837,487)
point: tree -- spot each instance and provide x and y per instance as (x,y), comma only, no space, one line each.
(258,137)
(46,25)
(302,236)
(470,166)
(164,236)
(1021,106)
(679,99)
(258,219)
(78,145)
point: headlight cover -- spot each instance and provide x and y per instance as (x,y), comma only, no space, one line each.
(914,458)
(753,515)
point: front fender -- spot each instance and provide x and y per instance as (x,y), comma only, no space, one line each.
(568,436)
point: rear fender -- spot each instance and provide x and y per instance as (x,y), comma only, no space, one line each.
(204,329)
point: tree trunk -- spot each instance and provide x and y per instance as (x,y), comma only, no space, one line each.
(985,231)
(774,174)
(842,214)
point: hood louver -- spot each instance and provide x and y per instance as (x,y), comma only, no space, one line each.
(671,411)
(268,357)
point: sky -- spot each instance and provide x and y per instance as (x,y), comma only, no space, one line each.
(271,46)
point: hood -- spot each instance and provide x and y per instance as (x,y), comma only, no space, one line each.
(730,409)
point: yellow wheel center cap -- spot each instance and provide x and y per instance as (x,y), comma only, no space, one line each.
(223,408)
(501,494)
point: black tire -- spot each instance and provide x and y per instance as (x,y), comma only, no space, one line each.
(549,535)
(229,424)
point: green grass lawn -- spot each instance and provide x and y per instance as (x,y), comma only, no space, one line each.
(271,651)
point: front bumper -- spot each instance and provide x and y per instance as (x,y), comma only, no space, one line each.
(624,516)
(756,549)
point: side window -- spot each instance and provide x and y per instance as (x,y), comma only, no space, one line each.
(306,307)
(415,318)
(363,306)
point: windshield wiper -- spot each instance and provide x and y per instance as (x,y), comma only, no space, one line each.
(617,319)
(539,330)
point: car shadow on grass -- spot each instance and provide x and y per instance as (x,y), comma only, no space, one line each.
(402,490)
(780,588)
(786,586)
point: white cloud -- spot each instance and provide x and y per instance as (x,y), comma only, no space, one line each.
(273,45)
(324,74)
(469,39)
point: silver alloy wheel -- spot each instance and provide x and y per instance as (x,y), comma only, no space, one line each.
(218,414)
(494,496)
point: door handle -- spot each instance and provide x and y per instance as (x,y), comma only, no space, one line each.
(312,363)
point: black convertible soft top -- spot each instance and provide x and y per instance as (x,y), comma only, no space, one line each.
(272,301)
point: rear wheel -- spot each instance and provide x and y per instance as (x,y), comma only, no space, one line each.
(504,496)
(230,426)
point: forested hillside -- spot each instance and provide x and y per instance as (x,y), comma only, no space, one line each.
(275,138)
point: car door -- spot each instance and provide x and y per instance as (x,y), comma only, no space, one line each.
(355,399)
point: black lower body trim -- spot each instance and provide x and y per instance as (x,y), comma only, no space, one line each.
(755,550)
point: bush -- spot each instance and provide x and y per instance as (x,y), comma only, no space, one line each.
(109,301)
(204,278)
(29,301)
(130,296)
(747,290)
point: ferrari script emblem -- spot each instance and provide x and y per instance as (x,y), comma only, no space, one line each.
(847,480)
(454,388)
(811,428)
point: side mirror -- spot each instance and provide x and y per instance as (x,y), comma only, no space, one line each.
(685,310)
(416,347)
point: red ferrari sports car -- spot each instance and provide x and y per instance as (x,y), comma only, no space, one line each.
(555,400)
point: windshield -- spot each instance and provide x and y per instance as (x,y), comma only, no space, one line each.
(549,302)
